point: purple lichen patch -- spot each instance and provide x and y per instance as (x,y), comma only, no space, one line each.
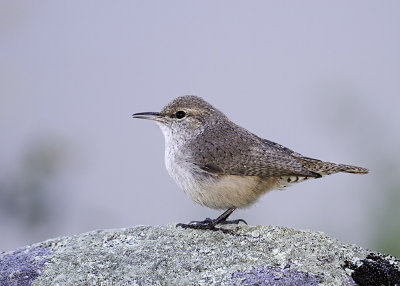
(277,276)
(22,266)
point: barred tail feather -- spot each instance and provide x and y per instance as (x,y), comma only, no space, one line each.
(353,169)
(327,168)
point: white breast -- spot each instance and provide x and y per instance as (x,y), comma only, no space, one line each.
(179,165)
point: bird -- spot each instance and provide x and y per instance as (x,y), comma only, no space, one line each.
(222,165)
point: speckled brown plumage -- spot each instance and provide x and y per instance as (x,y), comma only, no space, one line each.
(226,148)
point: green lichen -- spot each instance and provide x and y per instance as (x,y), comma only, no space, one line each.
(155,255)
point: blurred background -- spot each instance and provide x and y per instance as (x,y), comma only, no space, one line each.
(319,77)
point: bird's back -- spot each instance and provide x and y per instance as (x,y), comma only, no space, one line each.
(228,149)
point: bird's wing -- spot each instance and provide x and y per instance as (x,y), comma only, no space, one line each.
(232,150)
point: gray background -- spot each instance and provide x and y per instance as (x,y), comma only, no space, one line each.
(319,77)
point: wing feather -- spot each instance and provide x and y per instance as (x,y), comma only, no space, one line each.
(232,150)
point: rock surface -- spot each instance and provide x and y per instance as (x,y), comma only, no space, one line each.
(150,255)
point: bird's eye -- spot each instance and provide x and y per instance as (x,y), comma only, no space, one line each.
(180,114)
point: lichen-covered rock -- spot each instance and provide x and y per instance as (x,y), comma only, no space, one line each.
(150,255)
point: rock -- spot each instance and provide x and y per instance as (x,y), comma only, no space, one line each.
(156,255)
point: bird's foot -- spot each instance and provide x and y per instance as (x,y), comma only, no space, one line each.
(203,226)
(214,222)
(209,224)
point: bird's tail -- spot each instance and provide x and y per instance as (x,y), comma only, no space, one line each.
(327,168)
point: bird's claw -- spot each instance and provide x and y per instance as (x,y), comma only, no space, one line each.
(209,224)
(234,221)
(204,226)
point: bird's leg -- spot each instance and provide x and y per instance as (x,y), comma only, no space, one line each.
(222,219)
(210,224)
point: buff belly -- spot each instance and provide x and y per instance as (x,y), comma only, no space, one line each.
(219,191)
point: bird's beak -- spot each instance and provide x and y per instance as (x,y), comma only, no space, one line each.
(147,115)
